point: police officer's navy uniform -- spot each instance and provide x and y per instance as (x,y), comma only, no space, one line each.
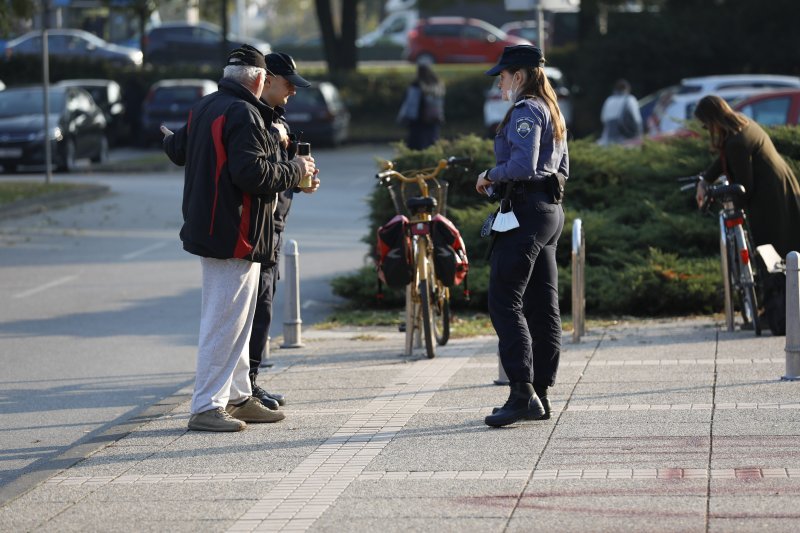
(523,283)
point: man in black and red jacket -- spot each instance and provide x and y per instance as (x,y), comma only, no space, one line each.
(232,179)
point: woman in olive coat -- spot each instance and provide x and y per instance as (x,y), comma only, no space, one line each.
(748,157)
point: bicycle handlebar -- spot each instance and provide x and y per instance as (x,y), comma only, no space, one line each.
(385,176)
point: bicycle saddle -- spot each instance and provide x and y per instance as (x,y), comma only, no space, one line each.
(734,190)
(420,203)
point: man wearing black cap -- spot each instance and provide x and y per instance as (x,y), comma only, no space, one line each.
(282,78)
(230,189)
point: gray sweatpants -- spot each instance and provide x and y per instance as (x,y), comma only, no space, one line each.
(226,318)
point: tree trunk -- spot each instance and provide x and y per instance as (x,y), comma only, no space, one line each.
(340,49)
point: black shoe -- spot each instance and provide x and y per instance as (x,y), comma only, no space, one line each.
(522,404)
(547,409)
(277,397)
(264,397)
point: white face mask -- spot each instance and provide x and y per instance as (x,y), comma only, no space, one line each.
(510,93)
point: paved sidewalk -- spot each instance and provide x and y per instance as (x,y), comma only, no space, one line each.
(658,426)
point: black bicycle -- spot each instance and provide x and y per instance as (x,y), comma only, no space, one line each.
(736,251)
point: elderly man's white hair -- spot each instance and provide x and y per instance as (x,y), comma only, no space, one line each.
(244,74)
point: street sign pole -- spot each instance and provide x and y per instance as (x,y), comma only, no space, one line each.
(48,172)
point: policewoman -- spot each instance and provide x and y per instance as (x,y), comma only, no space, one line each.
(530,148)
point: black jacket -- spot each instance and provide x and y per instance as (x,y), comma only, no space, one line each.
(232,176)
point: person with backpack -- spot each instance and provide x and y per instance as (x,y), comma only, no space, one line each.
(532,164)
(422,110)
(622,120)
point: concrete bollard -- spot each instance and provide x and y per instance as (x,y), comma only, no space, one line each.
(578,281)
(792,317)
(502,377)
(291,316)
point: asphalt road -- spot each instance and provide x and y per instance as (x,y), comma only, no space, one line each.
(101,305)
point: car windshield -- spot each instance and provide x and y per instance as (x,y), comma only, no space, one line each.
(28,102)
(307,98)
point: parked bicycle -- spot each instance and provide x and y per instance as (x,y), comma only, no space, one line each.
(737,254)
(429,278)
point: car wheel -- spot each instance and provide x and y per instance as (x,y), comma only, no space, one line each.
(102,154)
(9,168)
(67,163)
(426,59)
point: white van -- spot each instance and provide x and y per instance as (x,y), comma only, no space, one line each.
(393,29)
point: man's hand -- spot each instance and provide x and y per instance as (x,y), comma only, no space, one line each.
(306,164)
(282,133)
(700,195)
(166,131)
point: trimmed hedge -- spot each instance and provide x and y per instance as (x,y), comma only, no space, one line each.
(649,251)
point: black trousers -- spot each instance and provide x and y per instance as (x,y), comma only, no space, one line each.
(267,284)
(523,290)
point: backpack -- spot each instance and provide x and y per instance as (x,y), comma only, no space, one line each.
(432,107)
(449,252)
(395,264)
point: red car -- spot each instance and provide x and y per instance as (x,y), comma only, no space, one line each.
(775,108)
(457,40)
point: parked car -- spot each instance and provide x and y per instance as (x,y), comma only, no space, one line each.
(457,40)
(76,127)
(674,108)
(775,108)
(317,114)
(70,43)
(200,44)
(168,102)
(495,108)
(107,94)
(393,29)
(527,29)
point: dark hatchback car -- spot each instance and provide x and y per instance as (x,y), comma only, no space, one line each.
(107,94)
(179,43)
(318,115)
(168,102)
(70,44)
(76,128)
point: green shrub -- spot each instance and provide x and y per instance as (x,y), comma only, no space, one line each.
(648,250)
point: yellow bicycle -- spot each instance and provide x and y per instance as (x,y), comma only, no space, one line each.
(427,298)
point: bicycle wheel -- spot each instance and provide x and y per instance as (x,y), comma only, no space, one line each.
(745,284)
(427,318)
(440,304)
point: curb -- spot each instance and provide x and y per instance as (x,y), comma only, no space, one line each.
(55,200)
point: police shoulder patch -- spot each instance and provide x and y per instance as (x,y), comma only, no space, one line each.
(524,126)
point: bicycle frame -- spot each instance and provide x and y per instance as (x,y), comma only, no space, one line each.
(426,296)
(735,260)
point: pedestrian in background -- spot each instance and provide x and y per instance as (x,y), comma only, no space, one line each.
(530,151)
(282,79)
(622,120)
(230,190)
(747,156)
(422,111)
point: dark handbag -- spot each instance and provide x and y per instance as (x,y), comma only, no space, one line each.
(556,182)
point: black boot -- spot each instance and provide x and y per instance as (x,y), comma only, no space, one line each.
(545,405)
(541,392)
(262,395)
(522,404)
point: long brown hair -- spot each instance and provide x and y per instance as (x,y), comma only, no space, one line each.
(719,118)
(535,83)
